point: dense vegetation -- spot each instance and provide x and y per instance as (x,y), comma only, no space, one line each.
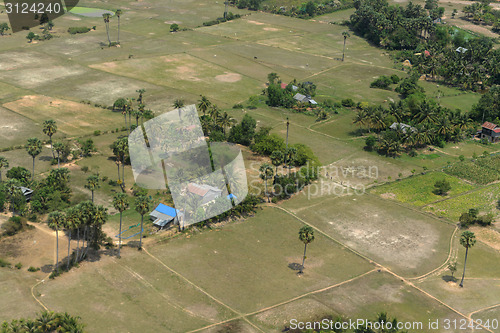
(432,48)
(481,170)
(305,10)
(45,322)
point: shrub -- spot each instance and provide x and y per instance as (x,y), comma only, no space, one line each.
(413,153)
(4,263)
(97,133)
(370,143)
(238,106)
(13,225)
(348,103)
(174,27)
(394,78)
(19,265)
(382,82)
(85,169)
(78,30)
(33,269)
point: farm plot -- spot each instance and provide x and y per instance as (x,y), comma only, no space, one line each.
(17,129)
(406,241)
(482,171)
(418,190)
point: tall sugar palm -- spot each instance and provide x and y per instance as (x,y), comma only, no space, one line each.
(50,128)
(345,34)
(204,104)
(121,204)
(99,217)
(107,18)
(290,155)
(277,158)
(467,240)
(59,148)
(56,221)
(266,172)
(178,103)
(142,206)
(118,14)
(74,216)
(4,163)
(69,225)
(34,148)
(306,236)
(140,99)
(93,183)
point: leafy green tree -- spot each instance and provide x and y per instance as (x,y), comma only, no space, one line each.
(50,128)
(92,184)
(174,27)
(441,187)
(306,236)
(4,163)
(266,172)
(467,240)
(272,78)
(452,267)
(56,221)
(121,204)
(142,206)
(34,148)
(3,28)
(31,35)
(244,132)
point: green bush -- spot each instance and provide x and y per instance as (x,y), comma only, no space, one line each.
(382,82)
(78,30)
(33,269)
(348,103)
(13,225)
(19,265)
(4,263)
(394,78)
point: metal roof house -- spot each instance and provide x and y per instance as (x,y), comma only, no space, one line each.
(304,99)
(164,216)
(403,127)
(206,192)
(26,192)
(491,132)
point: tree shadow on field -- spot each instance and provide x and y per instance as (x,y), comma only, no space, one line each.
(45,158)
(449,278)
(295,266)
(47,268)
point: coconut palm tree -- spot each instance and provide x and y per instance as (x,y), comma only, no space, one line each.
(4,163)
(93,184)
(178,103)
(50,128)
(142,206)
(204,104)
(345,34)
(59,148)
(225,121)
(306,236)
(56,221)
(107,17)
(34,148)
(467,240)
(266,172)
(121,204)
(118,14)
(277,158)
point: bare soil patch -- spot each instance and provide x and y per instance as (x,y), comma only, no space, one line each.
(228,77)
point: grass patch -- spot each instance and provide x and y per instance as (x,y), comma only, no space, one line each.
(418,190)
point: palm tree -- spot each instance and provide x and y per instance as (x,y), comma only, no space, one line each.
(306,236)
(142,206)
(50,128)
(345,34)
(107,17)
(4,163)
(467,240)
(204,104)
(140,99)
(118,14)
(56,221)
(34,148)
(121,204)
(277,158)
(178,103)
(266,172)
(70,226)
(290,154)
(59,148)
(92,184)
(226,121)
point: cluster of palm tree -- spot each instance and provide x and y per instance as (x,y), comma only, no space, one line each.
(84,219)
(121,152)
(133,107)
(45,322)
(428,122)
(278,158)
(481,12)
(213,119)
(107,19)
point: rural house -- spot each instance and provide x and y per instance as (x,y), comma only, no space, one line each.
(491,132)
(206,192)
(403,127)
(304,99)
(164,216)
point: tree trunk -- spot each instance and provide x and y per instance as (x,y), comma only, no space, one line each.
(58,160)
(120,236)
(33,175)
(92,196)
(303,259)
(118,30)
(57,250)
(77,243)
(267,194)
(465,262)
(343,52)
(0,176)
(123,173)
(69,246)
(107,32)
(140,239)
